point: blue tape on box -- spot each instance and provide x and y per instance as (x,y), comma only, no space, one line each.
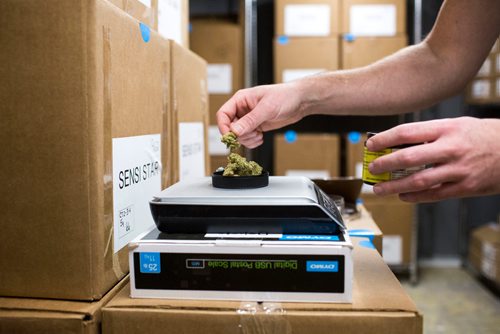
(349,37)
(364,233)
(145,32)
(283,40)
(354,137)
(290,136)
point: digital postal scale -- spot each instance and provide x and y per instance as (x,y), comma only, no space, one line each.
(286,242)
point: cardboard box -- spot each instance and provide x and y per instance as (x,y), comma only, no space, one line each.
(84,90)
(487,268)
(189,114)
(220,43)
(23,315)
(362,51)
(295,58)
(312,155)
(483,91)
(142,10)
(395,219)
(216,101)
(380,305)
(303,18)
(373,17)
(488,68)
(173,20)
(485,240)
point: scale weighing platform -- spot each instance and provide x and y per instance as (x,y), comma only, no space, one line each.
(284,243)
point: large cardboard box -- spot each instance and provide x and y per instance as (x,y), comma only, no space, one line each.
(27,316)
(216,101)
(304,18)
(307,154)
(380,305)
(189,105)
(220,43)
(395,219)
(362,51)
(295,58)
(83,90)
(373,17)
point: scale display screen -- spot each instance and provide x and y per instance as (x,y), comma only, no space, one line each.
(240,272)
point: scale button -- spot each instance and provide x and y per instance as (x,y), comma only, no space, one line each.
(195,263)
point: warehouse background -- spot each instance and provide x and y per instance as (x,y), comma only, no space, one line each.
(444,227)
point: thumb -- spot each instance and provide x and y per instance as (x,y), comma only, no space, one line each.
(250,121)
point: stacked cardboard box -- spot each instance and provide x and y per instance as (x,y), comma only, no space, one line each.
(95,108)
(485,87)
(27,315)
(189,114)
(484,251)
(306,154)
(220,42)
(396,220)
(380,305)
(306,40)
(371,30)
(85,90)
(169,17)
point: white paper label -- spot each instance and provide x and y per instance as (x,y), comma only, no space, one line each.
(136,179)
(498,63)
(146,3)
(310,173)
(392,249)
(170,19)
(488,269)
(220,78)
(359,170)
(489,251)
(215,146)
(498,87)
(290,75)
(481,88)
(307,20)
(485,68)
(372,20)
(191,150)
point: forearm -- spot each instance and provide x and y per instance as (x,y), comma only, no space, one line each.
(415,77)
(406,81)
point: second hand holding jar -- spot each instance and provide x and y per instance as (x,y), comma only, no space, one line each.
(369,156)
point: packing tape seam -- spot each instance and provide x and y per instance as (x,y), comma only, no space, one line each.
(108,155)
(261,318)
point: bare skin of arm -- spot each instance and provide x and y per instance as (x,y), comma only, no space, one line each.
(464,152)
(413,78)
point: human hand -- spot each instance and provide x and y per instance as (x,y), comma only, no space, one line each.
(464,153)
(252,111)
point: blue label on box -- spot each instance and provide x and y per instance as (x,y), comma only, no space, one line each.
(145,32)
(290,136)
(150,263)
(283,39)
(322,266)
(354,137)
(306,237)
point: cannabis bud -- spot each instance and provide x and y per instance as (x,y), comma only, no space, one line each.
(238,165)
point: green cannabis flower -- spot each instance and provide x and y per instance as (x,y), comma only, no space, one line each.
(237,165)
